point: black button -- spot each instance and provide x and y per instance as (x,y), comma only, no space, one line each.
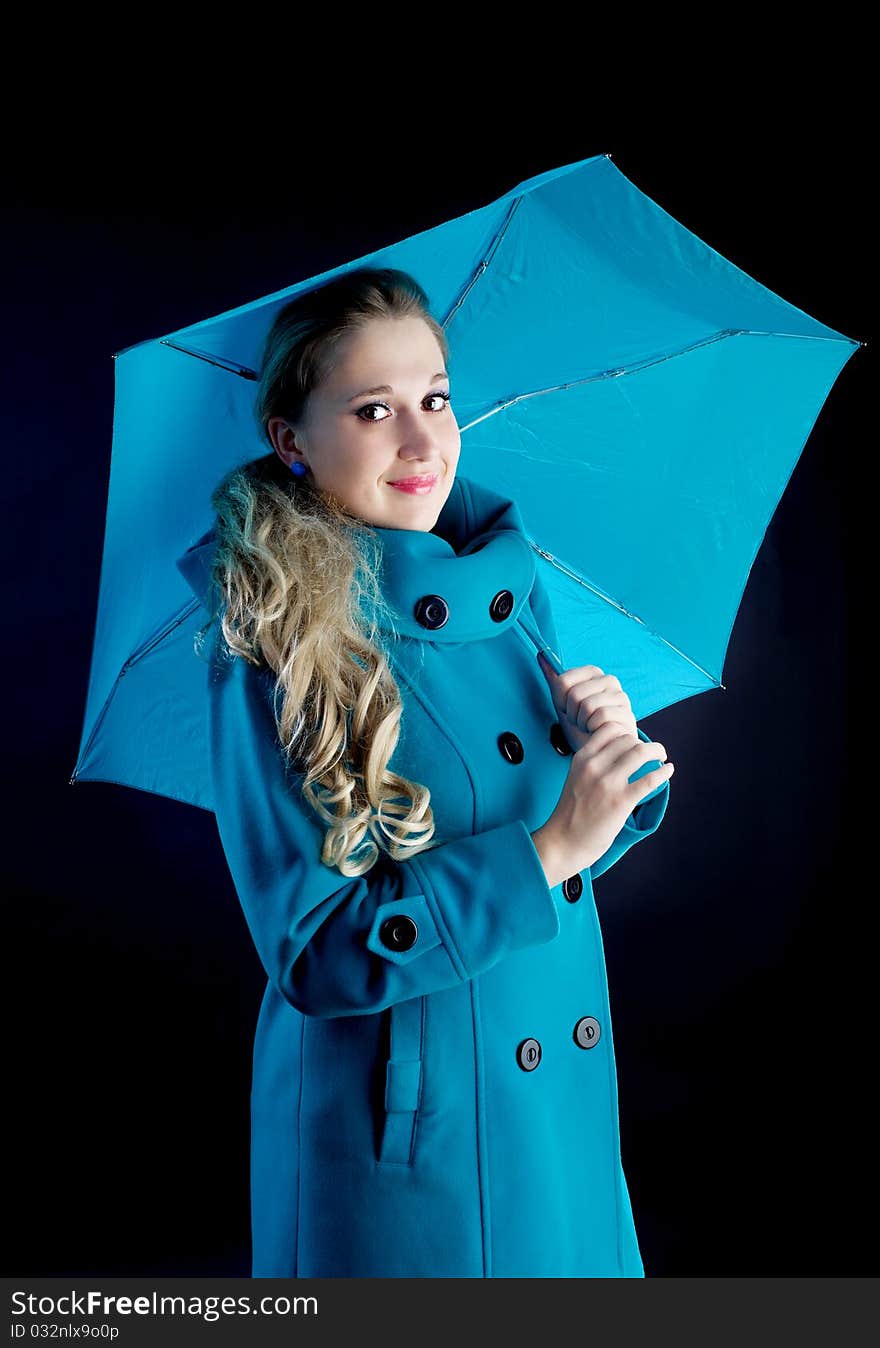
(432,612)
(587,1032)
(501,606)
(573,888)
(510,746)
(558,740)
(398,933)
(528,1055)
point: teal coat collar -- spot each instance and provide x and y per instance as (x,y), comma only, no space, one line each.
(476,561)
(467,579)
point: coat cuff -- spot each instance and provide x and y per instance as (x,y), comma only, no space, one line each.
(647,815)
(509,904)
(641,822)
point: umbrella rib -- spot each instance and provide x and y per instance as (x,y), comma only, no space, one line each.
(245,372)
(191,607)
(621,608)
(482,268)
(640,365)
(232,365)
(74,777)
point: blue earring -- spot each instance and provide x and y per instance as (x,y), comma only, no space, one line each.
(298,469)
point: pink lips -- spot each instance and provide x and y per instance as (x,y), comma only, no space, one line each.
(417,486)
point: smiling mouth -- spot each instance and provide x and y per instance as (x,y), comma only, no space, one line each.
(416,486)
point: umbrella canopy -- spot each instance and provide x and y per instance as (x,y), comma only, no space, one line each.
(641,398)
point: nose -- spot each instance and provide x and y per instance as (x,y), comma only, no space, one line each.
(417,441)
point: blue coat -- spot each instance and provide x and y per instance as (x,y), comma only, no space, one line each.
(434,1089)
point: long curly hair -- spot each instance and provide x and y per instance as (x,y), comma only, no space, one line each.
(291,572)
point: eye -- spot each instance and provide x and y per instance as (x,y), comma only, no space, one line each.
(444,397)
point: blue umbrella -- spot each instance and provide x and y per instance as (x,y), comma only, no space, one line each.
(642,399)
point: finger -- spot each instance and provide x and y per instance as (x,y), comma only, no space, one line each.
(624,725)
(608,732)
(599,687)
(611,710)
(621,749)
(651,780)
(582,706)
(589,678)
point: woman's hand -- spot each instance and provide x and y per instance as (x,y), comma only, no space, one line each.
(585,698)
(596,800)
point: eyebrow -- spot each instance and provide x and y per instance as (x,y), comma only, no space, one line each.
(386,388)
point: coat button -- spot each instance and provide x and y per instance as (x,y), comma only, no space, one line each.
(587,1032)
(432,612)
(510,746)
(573,888)
(398,933)
(501,606)
(558,740)
(528,1055)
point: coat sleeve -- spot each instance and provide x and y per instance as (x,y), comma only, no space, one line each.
(646,817)
(335,945)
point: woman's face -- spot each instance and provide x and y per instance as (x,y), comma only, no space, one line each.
(356,441)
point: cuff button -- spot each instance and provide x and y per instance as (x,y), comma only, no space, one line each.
(398,933)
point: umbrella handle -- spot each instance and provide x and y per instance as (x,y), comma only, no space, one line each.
(533,632)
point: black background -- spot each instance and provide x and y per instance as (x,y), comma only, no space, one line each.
(739,941)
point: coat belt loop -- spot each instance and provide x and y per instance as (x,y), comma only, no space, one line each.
(403,1080)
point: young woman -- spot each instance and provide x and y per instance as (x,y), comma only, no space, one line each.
(413,808)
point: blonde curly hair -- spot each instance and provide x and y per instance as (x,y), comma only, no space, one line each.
(290,575)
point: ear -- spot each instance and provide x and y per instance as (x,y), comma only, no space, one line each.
(283,438)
